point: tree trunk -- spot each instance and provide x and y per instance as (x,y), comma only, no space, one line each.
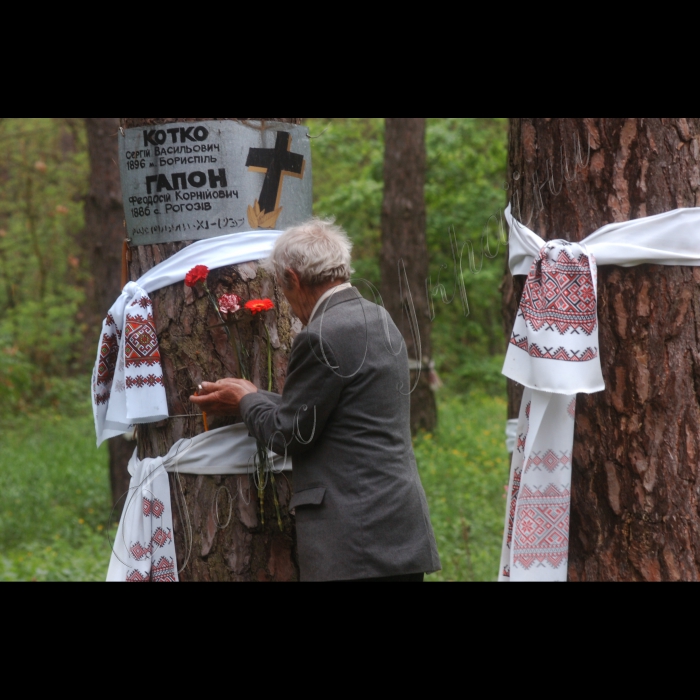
(404,239)
(211,546)
(103,239)
(635,510)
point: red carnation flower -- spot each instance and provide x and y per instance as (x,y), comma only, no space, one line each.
(257,306)
(230,303)
(196,275)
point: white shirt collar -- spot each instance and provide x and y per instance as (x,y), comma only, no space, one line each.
(329,293)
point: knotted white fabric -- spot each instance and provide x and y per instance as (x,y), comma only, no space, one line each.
(144,549)
(127,382)
(554,353)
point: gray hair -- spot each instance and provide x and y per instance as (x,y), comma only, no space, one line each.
(318,251)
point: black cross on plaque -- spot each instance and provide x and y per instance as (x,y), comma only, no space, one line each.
(276,163)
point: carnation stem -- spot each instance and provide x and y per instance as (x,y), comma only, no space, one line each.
(218,311)
(262,459)
(269,358)
(277,501)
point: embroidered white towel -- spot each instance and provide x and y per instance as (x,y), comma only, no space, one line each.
(554,353)
(127,382)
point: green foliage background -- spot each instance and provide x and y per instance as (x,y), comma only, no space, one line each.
(465,192)
(43,180)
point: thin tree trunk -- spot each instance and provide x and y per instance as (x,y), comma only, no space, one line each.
(512,291)
(103,238)
(635,510)
(404,240)
(211,545)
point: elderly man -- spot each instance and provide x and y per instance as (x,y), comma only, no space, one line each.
(343,418)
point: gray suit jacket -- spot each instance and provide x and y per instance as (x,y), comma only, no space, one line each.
(344,419)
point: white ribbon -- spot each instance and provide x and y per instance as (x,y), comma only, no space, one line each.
(667,239)
(554,353)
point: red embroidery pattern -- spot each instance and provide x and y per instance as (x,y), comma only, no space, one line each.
(513,505)
(113,324)
(102,399)
(561,354)
(542,528)
(141,342)
(551,461)
(137,577)
(164,571)
(108,358)
(517,477)
(109,353)
(161,538)
(139,552)
(154,508)
(141,382)
(559,295)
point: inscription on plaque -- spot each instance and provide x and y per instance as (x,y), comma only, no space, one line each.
(192,181)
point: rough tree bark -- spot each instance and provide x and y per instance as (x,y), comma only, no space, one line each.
(103,238)
(404,238)
(512,291)
(635,510)
(243,550)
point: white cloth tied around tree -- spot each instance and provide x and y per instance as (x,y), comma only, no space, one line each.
(127,382)
(554,354)
(144,549)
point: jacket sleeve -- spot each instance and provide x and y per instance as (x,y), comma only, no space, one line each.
(311,393)
(275,398)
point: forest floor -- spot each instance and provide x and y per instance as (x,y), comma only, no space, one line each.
(464,467)
(55,504)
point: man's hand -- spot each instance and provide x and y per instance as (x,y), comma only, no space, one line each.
(223,398)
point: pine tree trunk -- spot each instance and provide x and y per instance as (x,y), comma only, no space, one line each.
(635,513)
(103,239)
(404,239)
(218,548)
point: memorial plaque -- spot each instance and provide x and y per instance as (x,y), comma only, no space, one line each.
(185,182)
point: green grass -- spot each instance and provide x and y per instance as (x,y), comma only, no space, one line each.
(55,501)
(464,467)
